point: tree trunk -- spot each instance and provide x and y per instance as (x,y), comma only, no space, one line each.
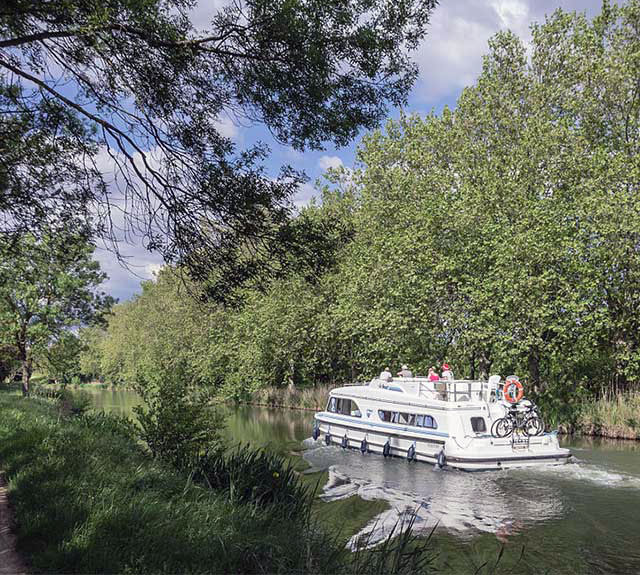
(534,368)
(472,362)
(485,365)
(26,376)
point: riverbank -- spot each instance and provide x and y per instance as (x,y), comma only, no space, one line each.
(89,498)
(613,417)
(308,398)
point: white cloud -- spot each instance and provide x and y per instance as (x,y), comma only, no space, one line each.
(227,127)
(124,279)
(152,269)
(203,12)
(451,54)
(327,162)
(305,192)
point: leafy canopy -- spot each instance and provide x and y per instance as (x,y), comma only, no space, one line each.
(137,79)
(47,286)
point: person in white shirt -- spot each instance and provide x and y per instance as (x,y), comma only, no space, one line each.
(386,375)
(405,372)
(446,372)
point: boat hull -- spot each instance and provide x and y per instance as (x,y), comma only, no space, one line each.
(479,454)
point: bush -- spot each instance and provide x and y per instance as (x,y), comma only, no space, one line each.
(177,424)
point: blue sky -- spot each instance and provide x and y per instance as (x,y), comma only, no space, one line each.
(449,58)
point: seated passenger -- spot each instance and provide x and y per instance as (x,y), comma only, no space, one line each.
(405,372)
(386,375)
(433,376)
(446,372)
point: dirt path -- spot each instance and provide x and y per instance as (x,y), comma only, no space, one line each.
(10,562)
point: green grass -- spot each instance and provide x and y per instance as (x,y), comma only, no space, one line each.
(615,416)
(303,398)
(89,498)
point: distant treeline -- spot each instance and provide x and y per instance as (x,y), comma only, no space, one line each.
(502,236)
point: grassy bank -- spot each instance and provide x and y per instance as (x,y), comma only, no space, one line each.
(615,417)
(312,398)
(89,498)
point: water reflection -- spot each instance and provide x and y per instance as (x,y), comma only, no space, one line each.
(464,503)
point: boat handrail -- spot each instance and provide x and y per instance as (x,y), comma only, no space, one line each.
(453,390)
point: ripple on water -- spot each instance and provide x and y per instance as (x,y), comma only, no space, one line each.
(466,503)
(500,502)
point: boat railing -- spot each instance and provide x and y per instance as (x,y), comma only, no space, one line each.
(446,390)
(467,390)
(456,390)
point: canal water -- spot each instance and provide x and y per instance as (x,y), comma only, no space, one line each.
(578,518)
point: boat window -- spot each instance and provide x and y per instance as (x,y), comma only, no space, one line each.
(478,424)
(430,422)
(332,405)
(384,415)
(346,407)
(426,421)
(395,417)
(408,418)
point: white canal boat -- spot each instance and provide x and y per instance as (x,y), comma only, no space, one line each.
(463,424)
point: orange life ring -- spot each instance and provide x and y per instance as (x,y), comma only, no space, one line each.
(507,385)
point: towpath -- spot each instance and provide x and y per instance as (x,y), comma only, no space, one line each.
(10,562)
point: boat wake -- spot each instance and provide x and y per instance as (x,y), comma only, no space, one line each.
(460,502)
(583,471)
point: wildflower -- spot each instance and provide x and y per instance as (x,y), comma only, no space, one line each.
(276,474)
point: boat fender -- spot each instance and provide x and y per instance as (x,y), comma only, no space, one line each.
(327,438)
(345,442)
(411,453)
(316,431)
(442,459)
(386,449)
(364,447)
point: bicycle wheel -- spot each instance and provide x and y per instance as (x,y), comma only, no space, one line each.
(533,426)
(502,427)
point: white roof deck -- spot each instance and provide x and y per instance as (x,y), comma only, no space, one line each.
(455,391)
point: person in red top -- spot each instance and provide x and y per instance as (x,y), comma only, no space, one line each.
(433,376)
(446,372)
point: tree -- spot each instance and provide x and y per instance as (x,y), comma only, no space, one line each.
(47,287)
(154,89)
(61,359)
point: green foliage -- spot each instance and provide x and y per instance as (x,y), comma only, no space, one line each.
(176,423)
(150,87)
(61,359)
(89,499)
(91,338)
(255,476)
(501,236)
(48,286)
(9,362)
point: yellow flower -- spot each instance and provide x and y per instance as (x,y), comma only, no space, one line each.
(276,474)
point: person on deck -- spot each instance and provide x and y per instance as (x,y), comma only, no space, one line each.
(405,372)
(446,372)
(439,385)
(386,375)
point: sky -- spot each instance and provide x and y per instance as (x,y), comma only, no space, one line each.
(449,58)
